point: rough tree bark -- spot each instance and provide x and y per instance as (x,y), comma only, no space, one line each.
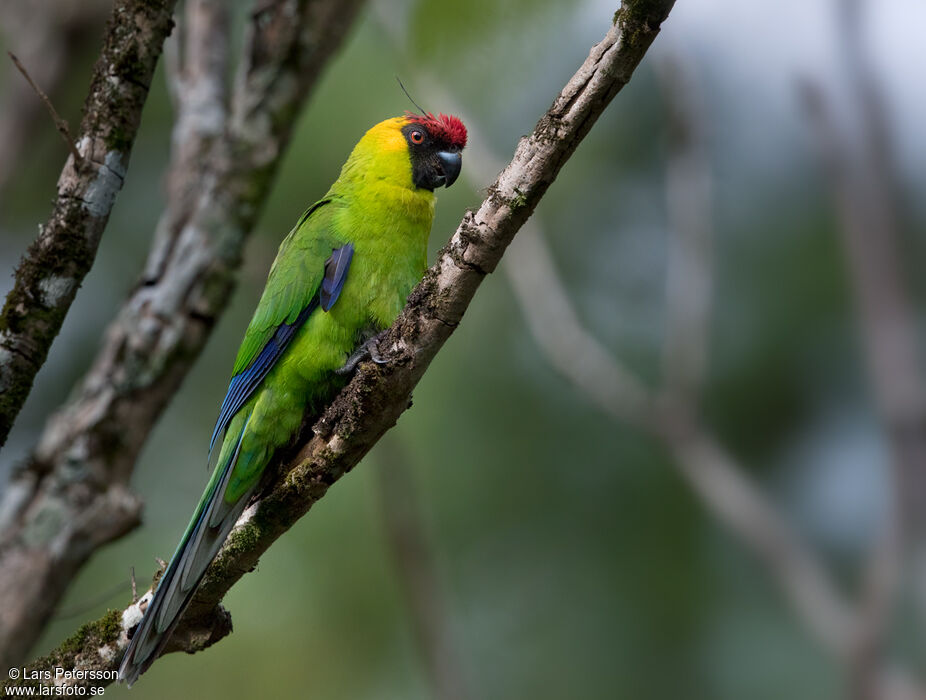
(51,272)
(72,496)
(378,394)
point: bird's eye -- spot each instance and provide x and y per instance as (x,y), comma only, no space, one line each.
(417,136)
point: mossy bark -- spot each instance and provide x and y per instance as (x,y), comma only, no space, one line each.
(55,265)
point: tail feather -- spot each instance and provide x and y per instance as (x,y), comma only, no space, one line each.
(209,535)
(198,547)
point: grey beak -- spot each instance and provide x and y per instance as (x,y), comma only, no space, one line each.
(450,163)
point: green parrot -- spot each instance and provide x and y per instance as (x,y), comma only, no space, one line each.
(341,276)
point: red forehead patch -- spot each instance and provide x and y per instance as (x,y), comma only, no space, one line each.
(442,127)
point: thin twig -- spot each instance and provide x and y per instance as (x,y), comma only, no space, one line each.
(60,123)
(46,34)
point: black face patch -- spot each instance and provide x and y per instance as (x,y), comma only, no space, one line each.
(429,158)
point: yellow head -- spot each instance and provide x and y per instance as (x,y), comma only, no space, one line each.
(413,151)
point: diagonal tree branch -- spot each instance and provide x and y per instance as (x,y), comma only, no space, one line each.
(377,395)
(56,263)
(72,497)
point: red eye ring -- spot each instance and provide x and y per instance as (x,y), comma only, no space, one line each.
(416,136)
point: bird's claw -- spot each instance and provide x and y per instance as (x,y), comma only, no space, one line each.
(367,351)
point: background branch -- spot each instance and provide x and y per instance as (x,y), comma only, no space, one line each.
(670,413)
(222,162)
(850,632)
(52,270)
(689,259)
(722,484)
(863,179)
(413,558)
(377,395)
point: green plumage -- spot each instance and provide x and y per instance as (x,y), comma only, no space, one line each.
(374,206)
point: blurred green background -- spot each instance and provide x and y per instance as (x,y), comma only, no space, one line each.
(573,562)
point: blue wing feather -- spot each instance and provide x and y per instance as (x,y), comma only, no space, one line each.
(335,274)
(243,384)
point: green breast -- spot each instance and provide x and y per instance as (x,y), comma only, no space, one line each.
(389,232)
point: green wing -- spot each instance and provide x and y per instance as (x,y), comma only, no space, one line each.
(294,279)
(301,279)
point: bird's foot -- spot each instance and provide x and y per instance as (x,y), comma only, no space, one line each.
(369,350)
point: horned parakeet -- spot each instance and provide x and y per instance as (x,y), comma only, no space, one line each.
(341,275)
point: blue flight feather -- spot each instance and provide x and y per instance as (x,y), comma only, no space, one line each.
(243,385)
(335,274)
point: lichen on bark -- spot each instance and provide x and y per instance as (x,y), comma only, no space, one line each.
(54,266)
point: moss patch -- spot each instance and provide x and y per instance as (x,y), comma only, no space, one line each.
(79,648)
(636,16)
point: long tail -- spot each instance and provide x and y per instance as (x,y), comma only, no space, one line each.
(213,520)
